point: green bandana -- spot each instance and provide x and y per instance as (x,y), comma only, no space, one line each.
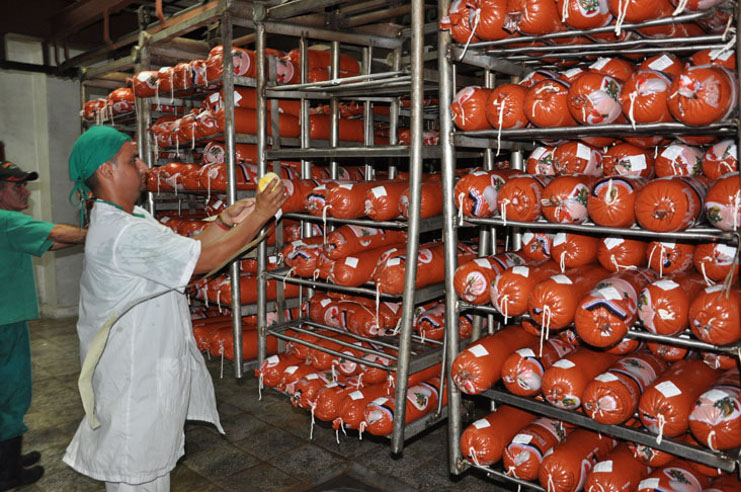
(92,149)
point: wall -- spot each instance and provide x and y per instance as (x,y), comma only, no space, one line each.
(39,124)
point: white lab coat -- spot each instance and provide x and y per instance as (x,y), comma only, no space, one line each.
(150,377)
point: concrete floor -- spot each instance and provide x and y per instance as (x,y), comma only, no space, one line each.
(266,447)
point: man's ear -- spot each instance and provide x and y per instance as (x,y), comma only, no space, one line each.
(105,171)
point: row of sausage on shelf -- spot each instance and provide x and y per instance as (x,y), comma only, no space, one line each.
(686,400)
(492,20)
(661,89)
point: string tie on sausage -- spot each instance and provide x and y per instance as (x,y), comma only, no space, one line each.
(477,14)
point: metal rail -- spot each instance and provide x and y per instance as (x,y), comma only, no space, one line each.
(693,233)
(426,225)
(723,460)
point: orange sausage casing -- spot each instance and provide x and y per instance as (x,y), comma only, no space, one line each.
(564,382)
(511,289)
(483,441)
(522,372)
(619,472)
(524,454)
(473,279)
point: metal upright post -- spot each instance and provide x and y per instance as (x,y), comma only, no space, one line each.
(368,112)
(394,116)
(231,180)
(334,132)
(262,136)
(415,178)
(143,112)
(306,226)
(516,162)
(445,97)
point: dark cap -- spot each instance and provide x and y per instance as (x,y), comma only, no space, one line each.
(13,173)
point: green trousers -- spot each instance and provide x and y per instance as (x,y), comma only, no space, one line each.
(15,379)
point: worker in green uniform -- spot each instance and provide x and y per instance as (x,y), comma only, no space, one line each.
(20,237)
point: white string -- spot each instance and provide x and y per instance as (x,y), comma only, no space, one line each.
(622,12)
(461,197)
(547,324)
(313,421)
(504,301)
(661,423)
(680,7)
(361,429)
(710,441)
(473,33)
(551,487)
(472,454)
(609,199)
(221,352)
(499,126)
(260,386)
(503,211)
(324,224)
(562,262)
(708,281)
(565,11)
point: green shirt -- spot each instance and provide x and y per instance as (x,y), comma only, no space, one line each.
(20,237)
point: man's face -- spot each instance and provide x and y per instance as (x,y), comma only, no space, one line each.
(131,170)
(14,196)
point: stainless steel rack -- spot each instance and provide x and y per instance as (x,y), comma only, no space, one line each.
(505,60)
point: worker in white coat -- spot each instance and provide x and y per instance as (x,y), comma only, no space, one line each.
(150,376)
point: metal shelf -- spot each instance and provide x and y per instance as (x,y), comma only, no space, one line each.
(172,195)
(693,233)
(356,150)
(612,130)
(502,475)
(421,295)
(426,225)
(723,460)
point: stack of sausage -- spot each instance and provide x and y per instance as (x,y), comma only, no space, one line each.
(687,400)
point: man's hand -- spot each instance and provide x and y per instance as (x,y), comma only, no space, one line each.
(269,201)
(239,211)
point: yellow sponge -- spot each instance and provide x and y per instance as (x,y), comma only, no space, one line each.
(266,180)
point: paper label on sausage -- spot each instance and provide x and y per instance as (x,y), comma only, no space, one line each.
(393,306)
(379,191)
(483,263)
(637,162)
(291,369)
(669,245)
(668,389)
(522,439)
(215,97)
(272,360)
(672,152)
(311,377)
(610,293)
(346,186)
(522,271)
(564,364)
(666,285)
(572,72)
(394,262)
(611,242)
(526,352)
(721,54)
(661,63)
(583,152)
(379,401)
(481,424)
(478,173)
(538,153)
(649,483)
(527,237)
(714,288)
(715,395)
(478,350)
(324,302)
(356,395)
(599,64)
(352,262)
(606,377)
(331,385)
(559,239)
(603,467)
(725,250)
(321,187)
(562,279)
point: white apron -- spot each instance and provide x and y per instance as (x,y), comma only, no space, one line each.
(150,377)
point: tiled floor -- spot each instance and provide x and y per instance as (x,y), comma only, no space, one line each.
(266,447)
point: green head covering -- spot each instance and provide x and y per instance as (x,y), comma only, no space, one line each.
(92,149)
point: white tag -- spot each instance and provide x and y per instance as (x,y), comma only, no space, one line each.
(714,395)
(672,152)
(725,250)
(273,359)
(661,63)
(562,279)
(312,376)
(669,245)
(526,352)
(298,243)
(668,389)
(392,306)
(478,350)
(666,284)
(610,293)
(522,271)
(483,263)
(721,54)
(637,162)
(331,385)
(237,98)
(478,173)
(649,483)
(351,262)
(527,237)
(563,364)
(346,186)
(321,187)
(603,467)
(522,439)
(573,71)
(356,395)
(583,152)
(599,64)
(559,239)
(394,261)
(611,242)
(606,377)
(379,191)
(481,424)
(324,302)
(538,153)
(214,97)
(714,288)
(291,370)
(379,401)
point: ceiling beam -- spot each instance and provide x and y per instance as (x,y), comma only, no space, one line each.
(83,13)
